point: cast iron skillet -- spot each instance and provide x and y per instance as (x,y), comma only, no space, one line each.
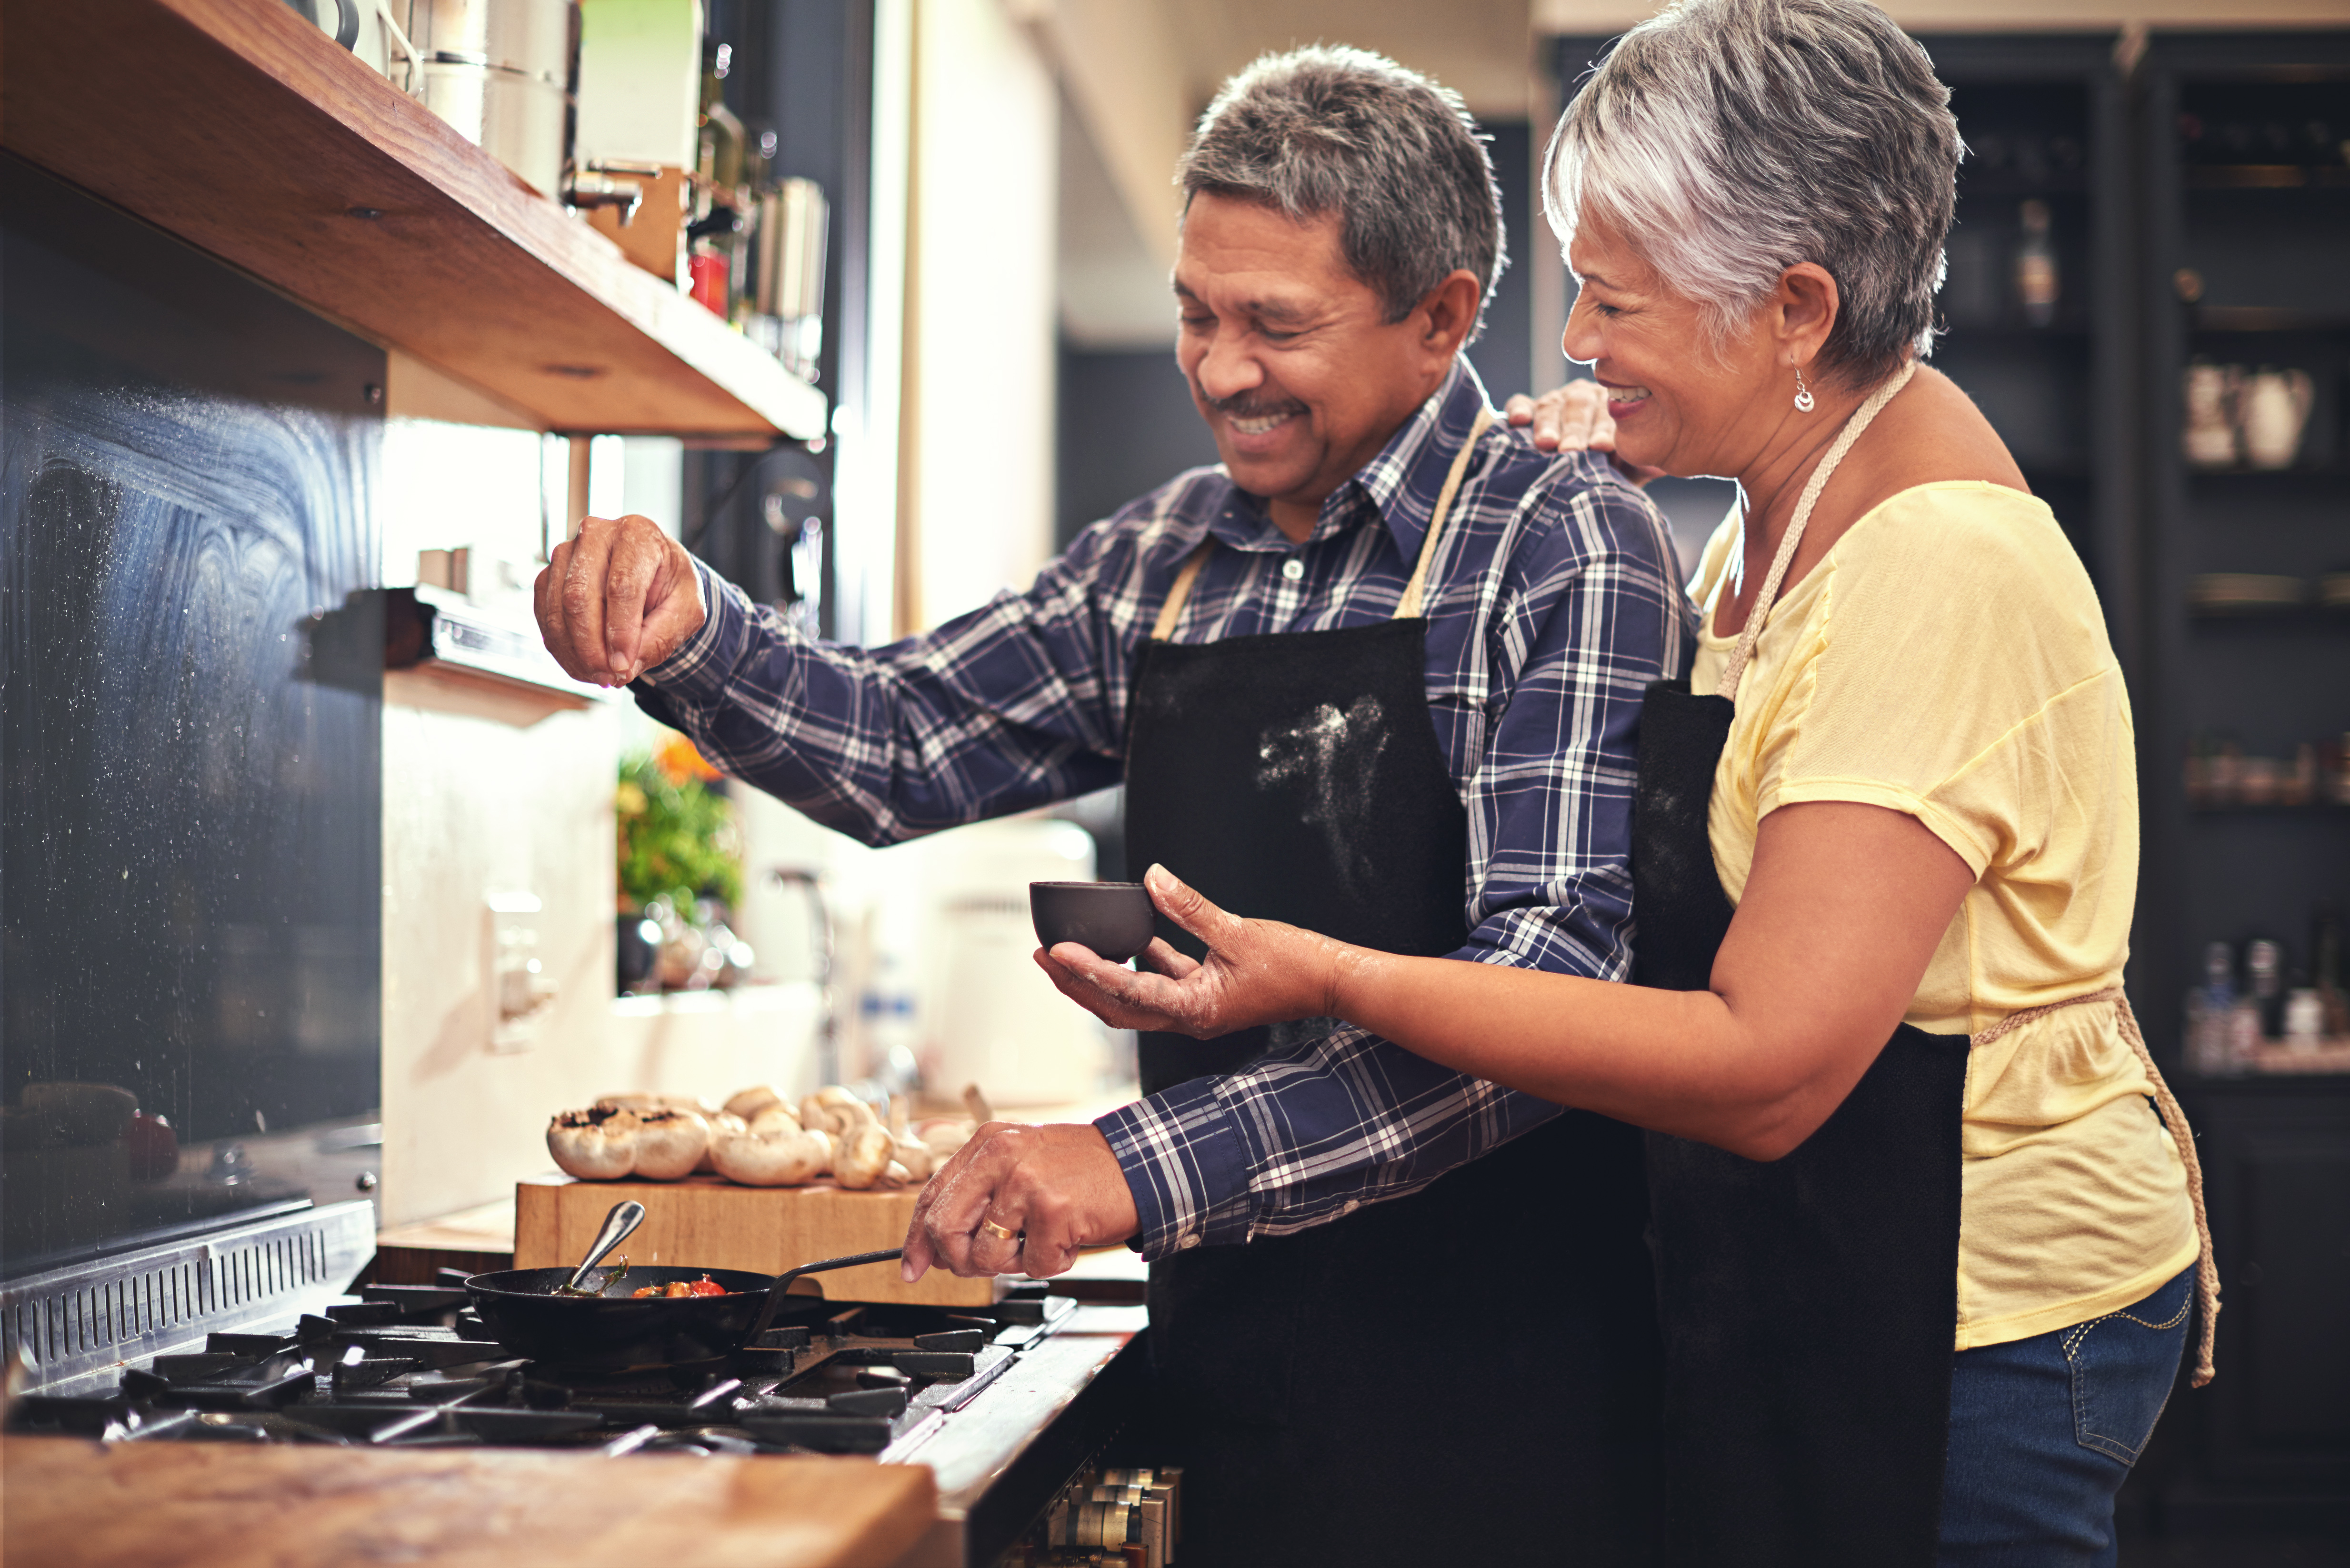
(521,1312)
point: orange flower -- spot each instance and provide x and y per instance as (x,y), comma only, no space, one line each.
(679,761)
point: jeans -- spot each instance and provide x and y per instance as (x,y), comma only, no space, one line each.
(2044,1431)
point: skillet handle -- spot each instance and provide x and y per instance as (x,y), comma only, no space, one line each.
(783,1285)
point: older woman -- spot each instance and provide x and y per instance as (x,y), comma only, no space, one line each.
(1926,1251)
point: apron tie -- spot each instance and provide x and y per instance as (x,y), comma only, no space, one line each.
(2207,1266)
(1866,412)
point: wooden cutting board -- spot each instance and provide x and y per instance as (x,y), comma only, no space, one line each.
(709,1222)
(78,1504)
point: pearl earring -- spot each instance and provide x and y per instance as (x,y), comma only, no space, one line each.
(1803,400)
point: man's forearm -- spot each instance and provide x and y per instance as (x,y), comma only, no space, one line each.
(883,744)
(1302,1137)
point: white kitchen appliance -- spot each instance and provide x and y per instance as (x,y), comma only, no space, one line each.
(985,1012)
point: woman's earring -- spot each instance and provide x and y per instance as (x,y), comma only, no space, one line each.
(1804,401)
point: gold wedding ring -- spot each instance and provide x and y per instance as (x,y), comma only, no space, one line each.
(1001,1232)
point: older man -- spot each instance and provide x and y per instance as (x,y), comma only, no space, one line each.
(1378,674)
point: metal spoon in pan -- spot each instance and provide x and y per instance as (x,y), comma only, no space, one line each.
(618,1226)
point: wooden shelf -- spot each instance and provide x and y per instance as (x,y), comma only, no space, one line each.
(2265,318)
(2265,176)
(245,131)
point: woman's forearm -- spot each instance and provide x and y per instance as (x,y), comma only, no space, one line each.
(1678,1062)
(1842,910)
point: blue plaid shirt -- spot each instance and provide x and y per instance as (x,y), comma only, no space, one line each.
(1553,601)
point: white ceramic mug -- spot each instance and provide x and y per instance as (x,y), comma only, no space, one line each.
(2208,436)
(2274,408)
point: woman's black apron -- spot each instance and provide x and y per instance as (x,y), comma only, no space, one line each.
(1465,1375)
(1808,1303)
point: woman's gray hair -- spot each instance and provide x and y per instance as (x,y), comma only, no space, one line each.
(1399,158)
(1729,140)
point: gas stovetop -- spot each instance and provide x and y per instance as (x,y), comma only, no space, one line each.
(410,1366)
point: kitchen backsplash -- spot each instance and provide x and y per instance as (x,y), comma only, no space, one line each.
(188,841)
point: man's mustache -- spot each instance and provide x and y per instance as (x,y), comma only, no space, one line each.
(1248,406)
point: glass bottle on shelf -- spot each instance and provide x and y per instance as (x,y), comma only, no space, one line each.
(2264,980)
(2211,1007)
(2036,279)
(2325,968)
(718,178)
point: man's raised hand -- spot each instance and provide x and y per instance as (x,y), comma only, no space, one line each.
(616,600)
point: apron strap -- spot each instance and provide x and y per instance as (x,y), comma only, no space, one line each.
(1794,536)
(1409,605)
(2207,1266)
(1180,593)
(1164,626)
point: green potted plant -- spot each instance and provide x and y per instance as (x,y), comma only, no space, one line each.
(680,864)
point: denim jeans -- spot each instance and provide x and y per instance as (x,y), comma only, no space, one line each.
(2044,1431)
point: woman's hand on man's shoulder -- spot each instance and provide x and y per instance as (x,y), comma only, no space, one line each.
(1573,417)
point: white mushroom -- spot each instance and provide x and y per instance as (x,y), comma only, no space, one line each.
(720,1121)
(774,1152)
(670,1143)
(914,1155)
(863,1153)
(835,1110)
(749,1103)
(944,1136)
(593,1144)
(645,1100)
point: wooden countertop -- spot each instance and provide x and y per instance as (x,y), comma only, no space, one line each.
(71,1503)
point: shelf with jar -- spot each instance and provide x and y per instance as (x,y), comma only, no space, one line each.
(2219,775)
(406,182)
(2264,598)
(2265,1009)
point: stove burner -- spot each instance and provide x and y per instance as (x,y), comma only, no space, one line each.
(409,1367)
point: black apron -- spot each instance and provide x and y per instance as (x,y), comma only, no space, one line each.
(1808,1303)
(1466,1374)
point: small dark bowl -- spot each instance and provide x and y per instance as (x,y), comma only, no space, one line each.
(1114,919)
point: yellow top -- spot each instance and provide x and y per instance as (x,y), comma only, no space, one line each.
(1948,660)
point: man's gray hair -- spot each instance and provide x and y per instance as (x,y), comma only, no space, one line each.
(1729,140)
(1397,157)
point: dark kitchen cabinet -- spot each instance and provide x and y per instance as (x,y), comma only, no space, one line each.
(2265,1451)
(2194,188)
(2278,1166)
(2038,318)
(2243,258)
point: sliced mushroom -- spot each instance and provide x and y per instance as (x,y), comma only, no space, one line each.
(597,1145)
(670,1144)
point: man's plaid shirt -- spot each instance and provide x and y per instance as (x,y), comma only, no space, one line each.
(1553,601)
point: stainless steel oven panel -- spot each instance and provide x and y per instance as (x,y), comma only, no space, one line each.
(79,1324)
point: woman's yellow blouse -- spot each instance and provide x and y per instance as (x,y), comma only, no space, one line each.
(1948,660)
